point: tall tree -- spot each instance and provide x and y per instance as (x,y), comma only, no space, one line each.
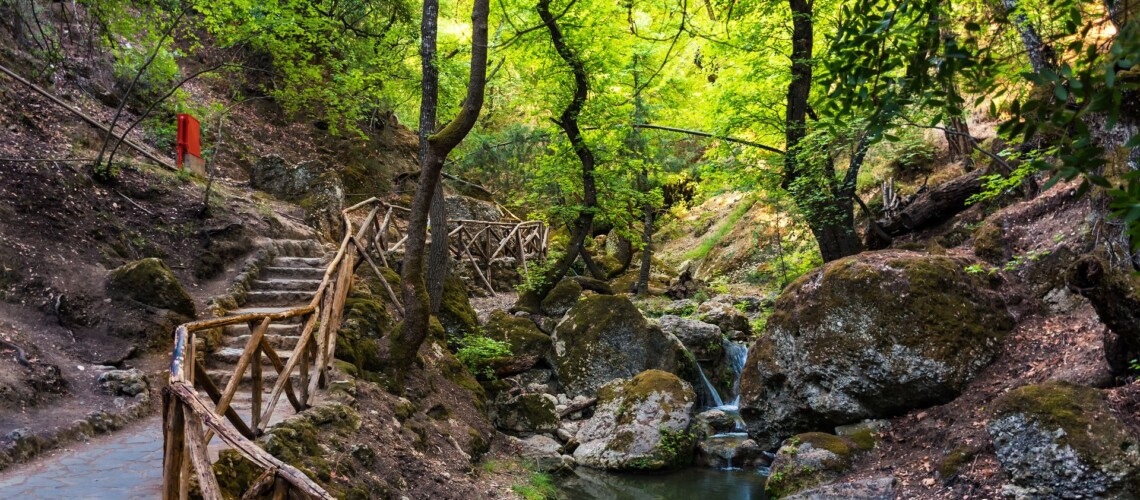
(568,122)
(405,342)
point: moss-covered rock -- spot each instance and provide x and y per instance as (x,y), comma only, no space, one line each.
(988,242)
(528,343)
(366,321)
(604,337)
(808,460)
(954,461)
(151,282)
(1060,440)
(527,413)
(455,312)
(869,336)
(561,298)
(640,424)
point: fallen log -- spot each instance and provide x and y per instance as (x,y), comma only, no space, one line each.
(934,206)
(577,407)
(1115,296)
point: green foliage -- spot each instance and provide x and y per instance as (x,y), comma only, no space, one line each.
(538,486)
(1012,265)
(477,351)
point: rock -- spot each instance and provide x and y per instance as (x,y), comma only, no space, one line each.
(869,336)
(543,452)
(528,343)
(275,176)
(455,312)
(685,285)
(750,304)
(324,204)
(866,435)
(639,424)
(561,298)
(702,339)
(712,422)
(725,316)
(737,452)
(151,282)
(604,337)
(808,460)
(680,307)
(468,208)
(880,488)
(526,413)
(1060,440)
(588,283)
(123,382)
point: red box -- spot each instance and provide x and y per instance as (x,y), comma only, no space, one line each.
(189,142)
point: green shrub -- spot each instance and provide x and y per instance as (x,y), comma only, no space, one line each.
(476,352)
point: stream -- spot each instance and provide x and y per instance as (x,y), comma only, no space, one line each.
(729,482)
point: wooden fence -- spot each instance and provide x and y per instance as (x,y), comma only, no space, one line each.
(190,419)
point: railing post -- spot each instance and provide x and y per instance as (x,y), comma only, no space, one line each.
(174,439)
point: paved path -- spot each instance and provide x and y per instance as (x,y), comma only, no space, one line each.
(125,465)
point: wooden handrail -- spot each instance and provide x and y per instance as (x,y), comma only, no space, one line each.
(190,420)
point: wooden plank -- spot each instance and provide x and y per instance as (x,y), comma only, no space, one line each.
(246,447)
(480,273)
(173,435)
(215,394)
(283,377)
(504,243)
(207,482)
(184,475)
(255,392)
(279,366)
(239,370)
(522,252)
(261,485)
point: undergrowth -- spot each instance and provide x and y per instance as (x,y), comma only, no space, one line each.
(712,240)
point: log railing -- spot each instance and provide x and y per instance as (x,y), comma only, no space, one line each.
(475,241)
(190,419)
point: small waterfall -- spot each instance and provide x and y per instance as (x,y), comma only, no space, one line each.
(711,397)
(736,354)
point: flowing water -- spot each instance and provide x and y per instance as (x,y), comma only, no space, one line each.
(728,483)
(691,483)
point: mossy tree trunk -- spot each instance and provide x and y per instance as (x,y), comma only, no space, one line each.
(401,347)
(568,121)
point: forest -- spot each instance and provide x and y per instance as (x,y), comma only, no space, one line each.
(570,249)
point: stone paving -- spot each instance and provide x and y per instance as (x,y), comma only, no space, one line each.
(124,465)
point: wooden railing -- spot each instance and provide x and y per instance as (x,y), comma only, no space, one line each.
(475,241)
(190,419)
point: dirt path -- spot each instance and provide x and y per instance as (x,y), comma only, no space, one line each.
(123,465)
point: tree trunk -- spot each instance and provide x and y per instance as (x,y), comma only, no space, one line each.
(1040,53)
(929,209)
(401,347)
(1115,296)
(830,214)
(568,121)
(646,253)
(437,257)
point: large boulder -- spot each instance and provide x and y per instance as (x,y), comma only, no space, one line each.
(151,282)
(461,207)
(455,312)
(1059,440)
(279,178)
(541,451)
(702,339)
(869,336)
(528,343)
(639,424)
(561,298)
(604,337)
(525,413)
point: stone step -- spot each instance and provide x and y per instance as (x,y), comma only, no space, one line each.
(230,355)
(300,262)
(275,330)
(278,298)
(279,342)
(298,273)
(221,377)
(286,284)
(299,248)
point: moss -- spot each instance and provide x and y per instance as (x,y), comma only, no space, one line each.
(538,410)
(791,472)
(609,265)
(455,311)
(235,473)
(841,447)
(953,462)
(454,371)
(151,282)
(521,333)
(988,242)
(366,321)
(864,439)
(561,298)
(1082,412)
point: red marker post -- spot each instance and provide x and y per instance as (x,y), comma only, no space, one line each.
(189,145)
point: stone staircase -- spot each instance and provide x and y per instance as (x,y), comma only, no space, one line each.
(289,280)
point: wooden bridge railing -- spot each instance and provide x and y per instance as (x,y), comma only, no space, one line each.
(190,419)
